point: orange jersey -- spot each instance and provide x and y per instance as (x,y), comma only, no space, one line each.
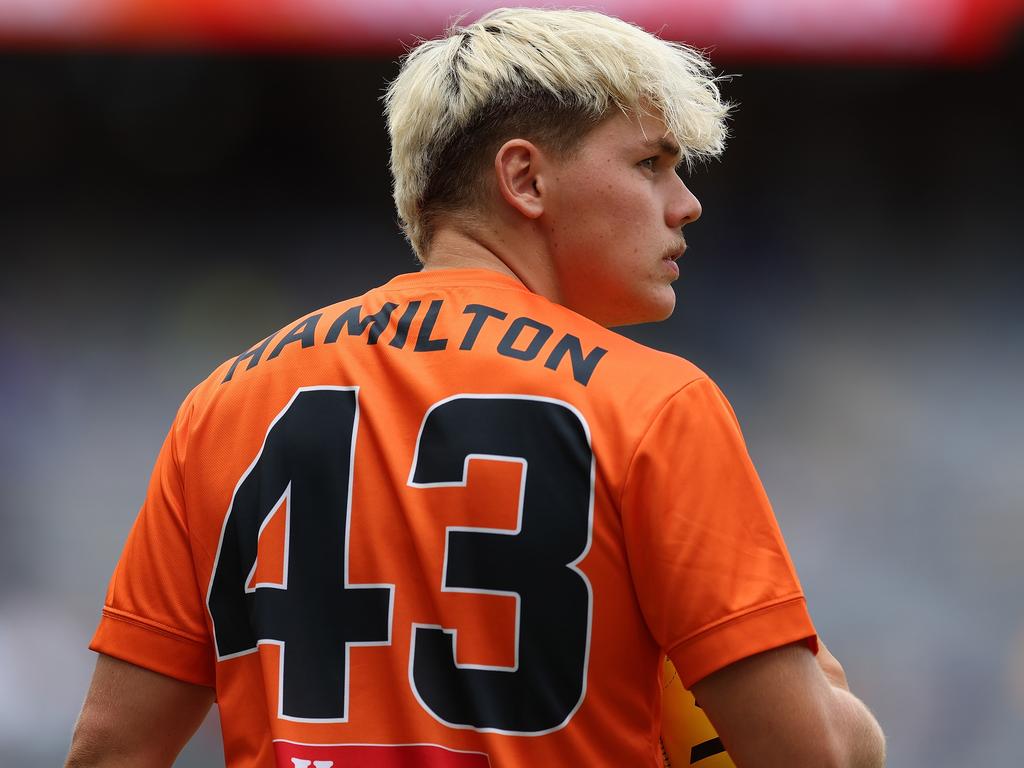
(450,523)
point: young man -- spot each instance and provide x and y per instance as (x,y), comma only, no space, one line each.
(456,521)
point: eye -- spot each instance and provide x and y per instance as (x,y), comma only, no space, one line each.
(649,163)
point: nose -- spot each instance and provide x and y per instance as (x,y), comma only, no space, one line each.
(683,207)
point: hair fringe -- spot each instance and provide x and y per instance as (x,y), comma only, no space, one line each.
(589,62)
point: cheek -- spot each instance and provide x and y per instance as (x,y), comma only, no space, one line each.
(613,226)
(606,235)
(583,228)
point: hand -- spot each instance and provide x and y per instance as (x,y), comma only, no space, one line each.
(831,667)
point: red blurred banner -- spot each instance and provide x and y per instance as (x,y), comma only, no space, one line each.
(870,30)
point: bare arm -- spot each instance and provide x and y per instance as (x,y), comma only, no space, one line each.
(135,717)
(783,708)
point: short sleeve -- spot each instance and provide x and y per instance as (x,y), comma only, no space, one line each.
(154,614)
(711,570)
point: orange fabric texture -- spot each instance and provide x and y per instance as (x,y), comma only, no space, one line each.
(529,511)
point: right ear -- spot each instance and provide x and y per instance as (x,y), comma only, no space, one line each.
(521,173)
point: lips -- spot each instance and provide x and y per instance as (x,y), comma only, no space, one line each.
(676,253)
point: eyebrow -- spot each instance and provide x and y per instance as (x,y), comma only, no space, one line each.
(667,146)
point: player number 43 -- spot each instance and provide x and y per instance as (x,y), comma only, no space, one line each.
(320,619)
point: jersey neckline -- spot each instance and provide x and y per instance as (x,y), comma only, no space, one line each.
(456,277)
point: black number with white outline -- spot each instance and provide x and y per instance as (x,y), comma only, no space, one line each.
(307,456)
(316,615)
(537,563)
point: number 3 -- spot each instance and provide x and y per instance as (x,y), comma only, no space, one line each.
(308,457)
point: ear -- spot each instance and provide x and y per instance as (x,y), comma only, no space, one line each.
(518,167)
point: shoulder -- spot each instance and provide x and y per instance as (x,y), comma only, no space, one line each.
(240,372)
(627,364)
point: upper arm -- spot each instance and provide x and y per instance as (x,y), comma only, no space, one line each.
(710,567)
(154,614)
(778,709)
(136,717)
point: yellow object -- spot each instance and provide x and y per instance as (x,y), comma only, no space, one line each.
(687,736)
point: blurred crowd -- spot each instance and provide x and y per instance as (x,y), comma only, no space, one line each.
(854,286)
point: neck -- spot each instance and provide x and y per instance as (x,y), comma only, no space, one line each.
(451,249)
(456,248)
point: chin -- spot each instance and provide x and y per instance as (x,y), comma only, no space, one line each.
(654,313)
(614,310)
(657,308)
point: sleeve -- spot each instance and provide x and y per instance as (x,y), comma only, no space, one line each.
(154,613)
(711,570)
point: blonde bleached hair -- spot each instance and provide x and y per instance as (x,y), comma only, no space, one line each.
(548,76)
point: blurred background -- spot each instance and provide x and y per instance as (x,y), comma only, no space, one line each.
(179,179)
